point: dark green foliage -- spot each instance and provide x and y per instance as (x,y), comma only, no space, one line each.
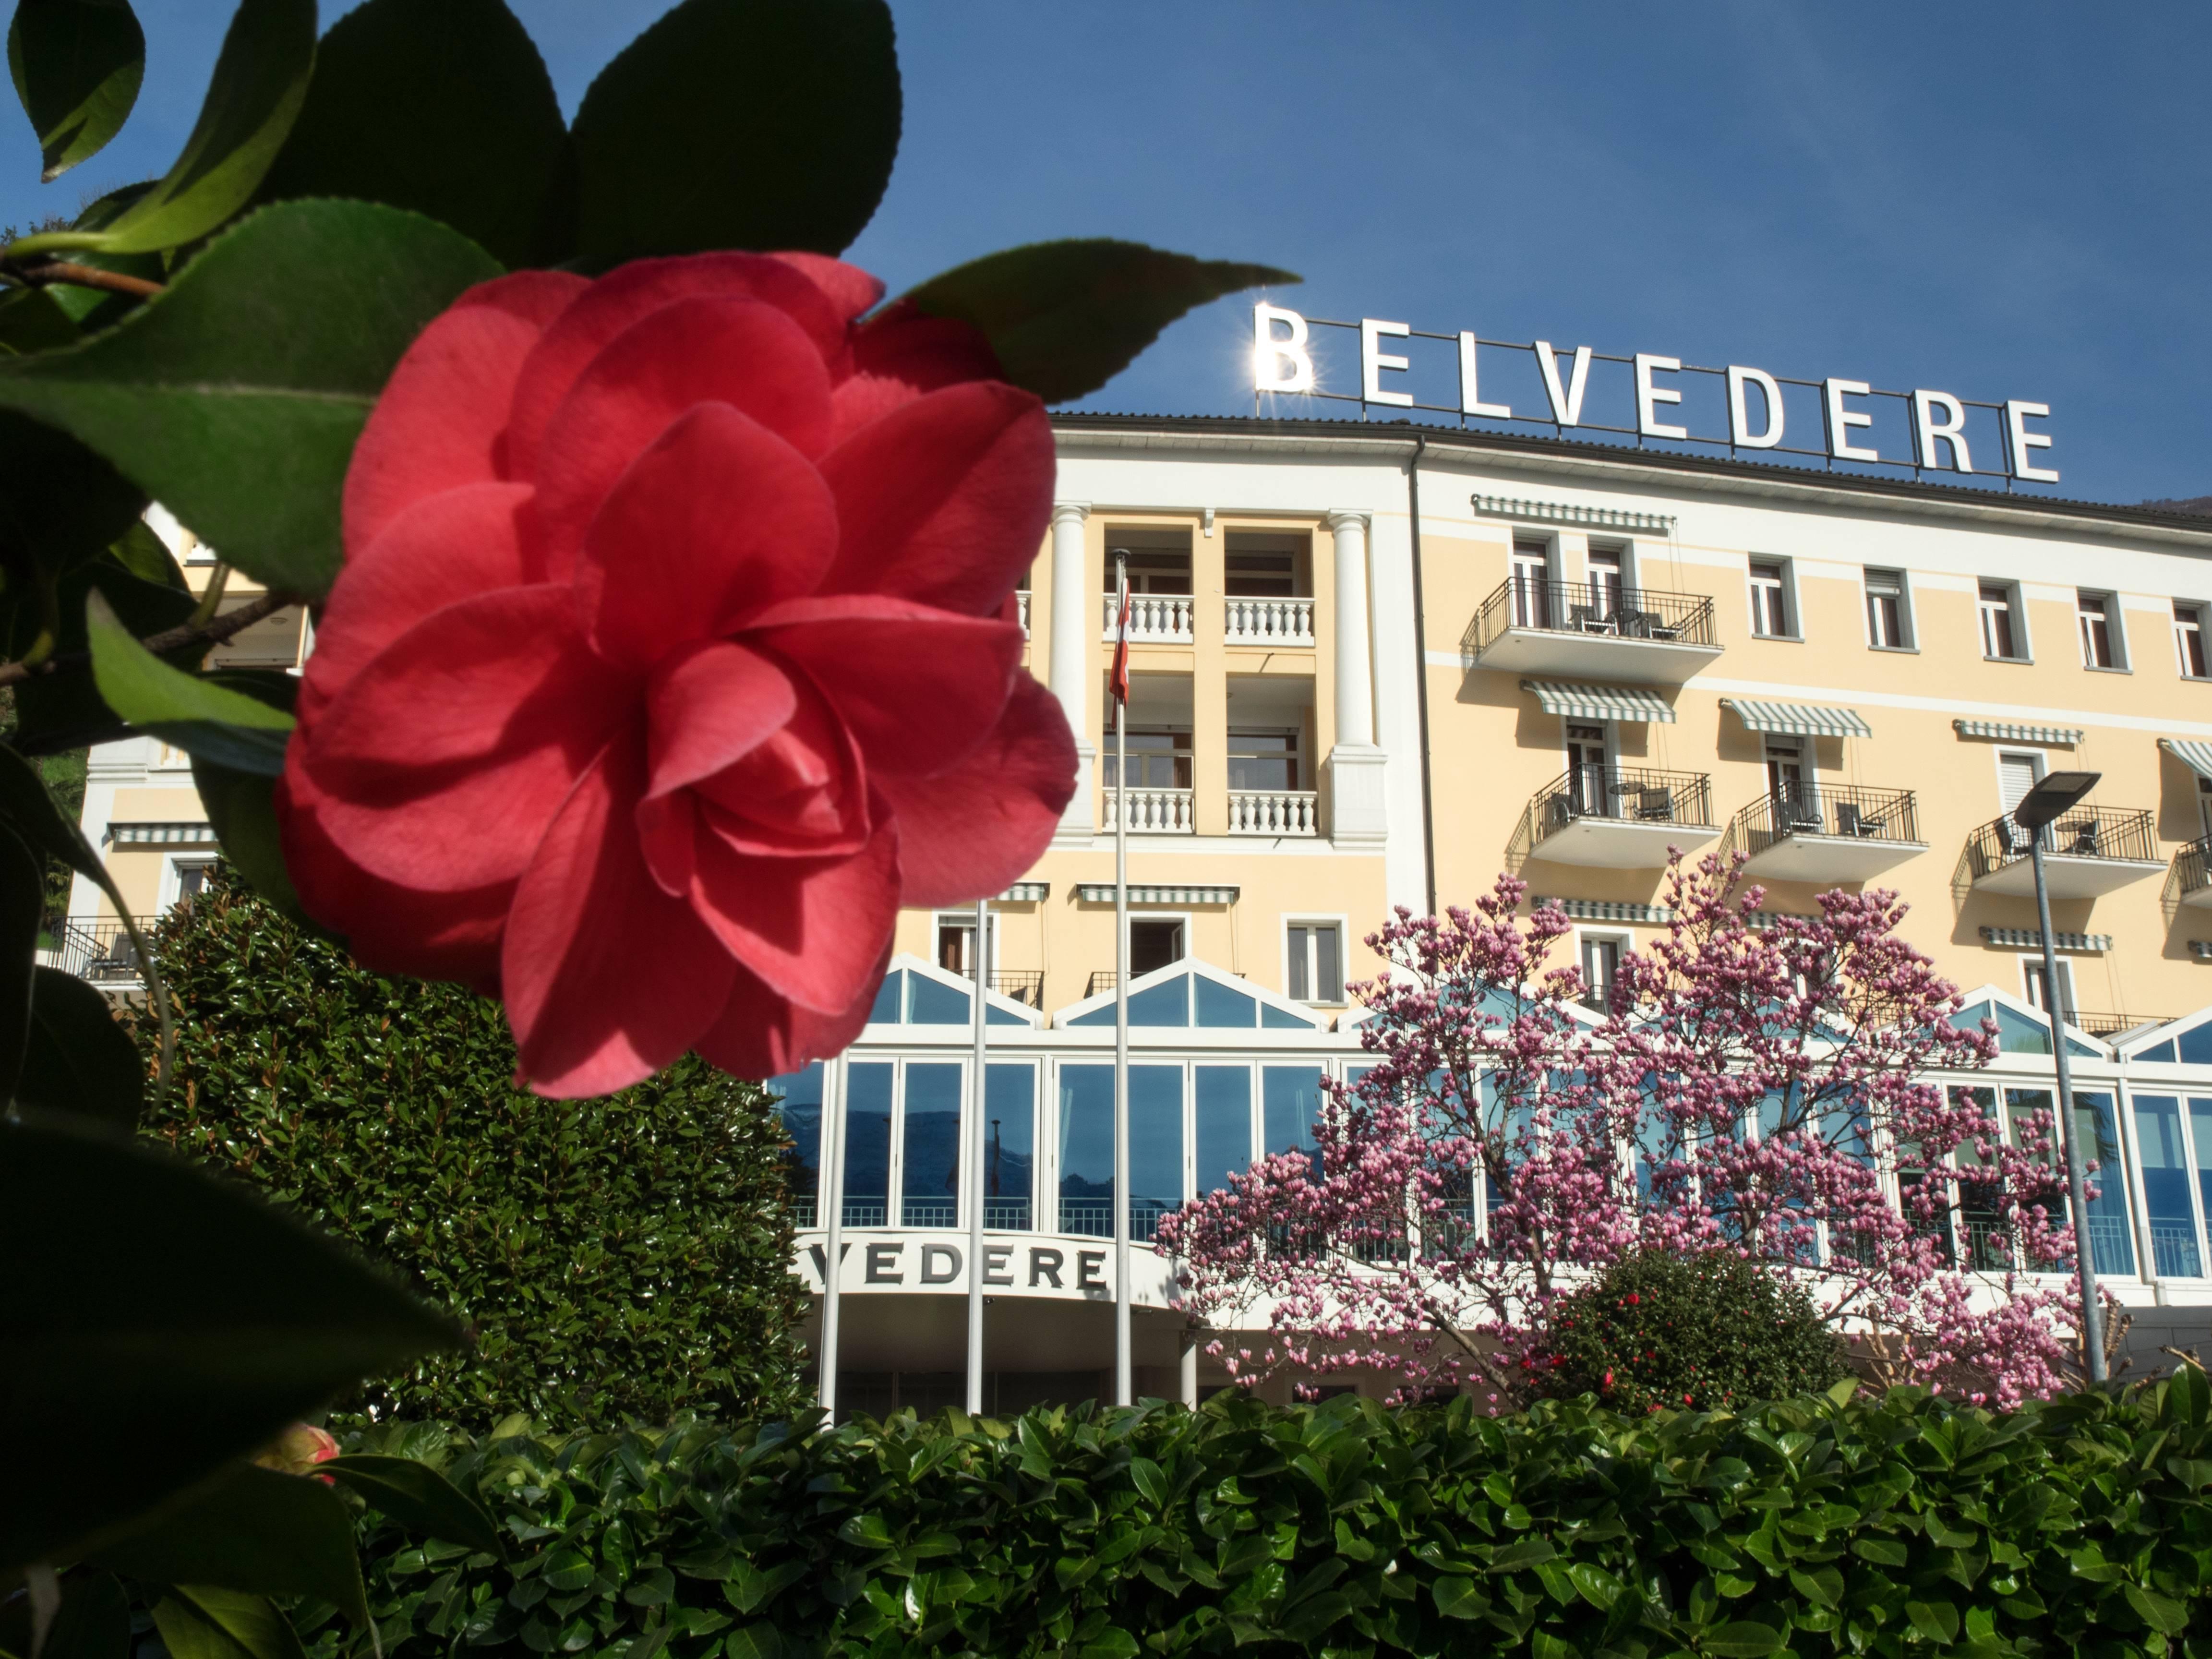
(1902,1526)
(1709,1332)
(623,1258)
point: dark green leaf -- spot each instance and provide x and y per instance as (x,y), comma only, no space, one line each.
(250,1529)
(28,808)
(2188,1397)
(259,82)
(63,709)
(235,397)
(147,556)
(442,107)
(1528,1552)
(1742,1640)
(2162,1612)
(1457,1597)
(739,124)
(76,65)
(242,807)
(77,1059)
(31,320)
(249,1623)
(1937,1621)
(125,1264)
(59,501)
(197,715)
(94,1622)
(419,1499)
(22,897)
(1065,318)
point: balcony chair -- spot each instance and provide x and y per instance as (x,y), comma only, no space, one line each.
(1655,806)
(1852,821)
(2084,844)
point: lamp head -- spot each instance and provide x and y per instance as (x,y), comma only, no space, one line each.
(2052,795)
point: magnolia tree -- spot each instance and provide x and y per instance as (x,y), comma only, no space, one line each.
(1765,1091)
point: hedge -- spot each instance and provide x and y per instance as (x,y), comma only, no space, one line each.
(626,1258)
(1903,1525)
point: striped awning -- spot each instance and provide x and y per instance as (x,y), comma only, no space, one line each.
(2005,732)
(1026,892)
(2196,757)
(1101,892)
(160,835)
(1598,702)
(1800,720)
(2027,939)
(1651,916)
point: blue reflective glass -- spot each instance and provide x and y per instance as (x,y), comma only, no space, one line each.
(885,1009)
(1155,1145)
(1102,1015)
(2163,1053)
(2021,1034)
(2173,1243)
(2196,1045)
(799,1103)
(1086,1150)
(995,1015)
(1165,1004)
(1289,1103)
(930,1184)
(2200,1142)
(1224,1124)
(2111,1248)
(935,1004)
(1009,1145)
(867,1144)
(1282,1019)
(1219,1006)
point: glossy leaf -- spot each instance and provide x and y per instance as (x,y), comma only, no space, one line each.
(442,107)
(28,808)
(260,81)
(1065,318)
(235,397)
(59,501)
(147,556)
(739,124)
(197,715)
(250,1529)
(31,320)
(242,807)
(76,1058)
(201,1621)
(63,709)
(94,1622)
(419,1499)
(126,1265)
(23,899)
(76,65)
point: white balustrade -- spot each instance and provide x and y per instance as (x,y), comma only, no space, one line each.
(1154,811)
(1159,618)
(1022,602)
(1270,622)
(1273,812)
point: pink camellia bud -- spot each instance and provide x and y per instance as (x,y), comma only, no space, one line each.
(298,1450)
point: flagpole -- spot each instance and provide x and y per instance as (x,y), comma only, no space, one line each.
(833,1142)
(974,1179)
(1124,1384)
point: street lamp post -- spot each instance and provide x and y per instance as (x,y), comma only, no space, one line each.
(2051,796)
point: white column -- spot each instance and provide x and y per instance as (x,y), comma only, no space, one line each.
(1356,765)
(1073,605)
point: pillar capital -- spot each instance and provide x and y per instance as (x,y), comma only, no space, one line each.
(1070,512)
(1343,518)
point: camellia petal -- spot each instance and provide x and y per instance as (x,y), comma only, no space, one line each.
(720,517)
(760,1035)
(440,423)
(980,824)
(850,289)
(738,352)
(814,931)
(944,501)
(607,978)
(899,354)
(710,706)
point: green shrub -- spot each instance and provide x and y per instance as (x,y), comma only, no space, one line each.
(1706,1332)
(1901,1525)
(618,1258)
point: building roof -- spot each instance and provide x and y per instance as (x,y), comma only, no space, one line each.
(1473,442)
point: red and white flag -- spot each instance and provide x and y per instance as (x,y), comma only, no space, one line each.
(1118,683)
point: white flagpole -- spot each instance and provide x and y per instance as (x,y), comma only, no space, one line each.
(1124,1381)
(833,1143)
(972,1181)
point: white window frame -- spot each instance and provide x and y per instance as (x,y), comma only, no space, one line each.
(1585,937)
(1786,588)
(2194,624)
(1189,936)
(173,866)
(1342,923)
(1909,635)
(966,920)
(2023,647)
(1552,577)
(2116,636)
(2070,987)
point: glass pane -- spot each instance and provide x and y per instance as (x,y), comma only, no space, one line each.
(886,1009)
(995,1015)
(1009,1145)
(930,1182)
(799,1103)
(1301,984)
(2174,1245)
(1166,1003)
(1224,1124)
(1155,1146)
(2196,1045)
(867,1144)
(2200,1141)
(1086,1150)
(938,1005)
(1290,1103)
(1282,1019)
(1219,1006)
(1329,975)
(2163,1052)
(2111,1248)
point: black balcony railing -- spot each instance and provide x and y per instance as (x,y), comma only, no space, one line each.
(1022,985)
(1845,811)
(1600,610)
(1100,980)
(1628,794)
(2087,832)
(2192,866)
(98,951)
(2112,1024)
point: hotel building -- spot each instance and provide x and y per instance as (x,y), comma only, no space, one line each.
(1373,666)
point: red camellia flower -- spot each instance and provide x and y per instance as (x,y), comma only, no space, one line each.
(674,650)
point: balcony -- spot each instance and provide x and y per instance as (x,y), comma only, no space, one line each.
(2192,873)
(1828,833)
(94,949)
(1154,619)
(1619,818)
(1273,812)
(1270,622)
(1638,635)
(2089,850)
(1151,811)
(1022,611)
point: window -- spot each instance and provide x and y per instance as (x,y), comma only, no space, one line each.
(1601,967)
(186,879)
(2016,776)
(2103,645)
(1263,758)
(1790,783)
(1889,626)
(1158,759)
(1260,576)
(1317,961)
(2189,639)
(2038,993)
(1770,600)
(2001,633)
(2205,806)
(1154,570)
(1608,573)
(1154,943)
(955,943)
(1586,768)
(1532,593)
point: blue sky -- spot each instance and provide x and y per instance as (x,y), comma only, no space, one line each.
(1995,201)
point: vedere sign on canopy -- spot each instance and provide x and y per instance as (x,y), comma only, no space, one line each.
(1283,362)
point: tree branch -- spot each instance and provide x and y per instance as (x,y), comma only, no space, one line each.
(68,271)
(214,632)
